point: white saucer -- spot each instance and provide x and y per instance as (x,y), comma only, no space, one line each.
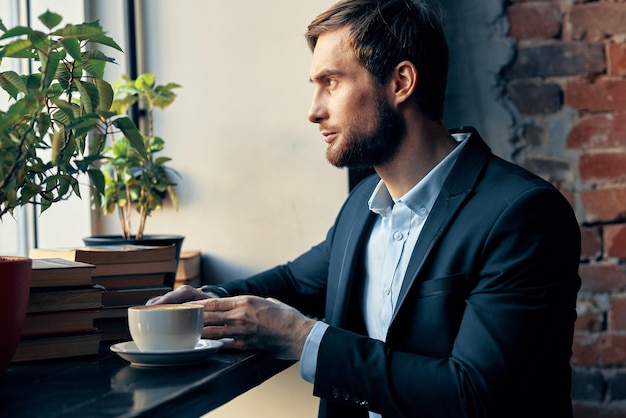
(129,351)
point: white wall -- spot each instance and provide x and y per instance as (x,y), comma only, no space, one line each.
(256,189)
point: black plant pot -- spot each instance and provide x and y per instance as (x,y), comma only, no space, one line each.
(151,240)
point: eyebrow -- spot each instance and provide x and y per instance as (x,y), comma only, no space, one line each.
(325,74)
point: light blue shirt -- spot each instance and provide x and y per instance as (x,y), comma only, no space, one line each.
(387,254)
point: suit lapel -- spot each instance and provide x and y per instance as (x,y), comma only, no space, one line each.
(346,286)
(456,188)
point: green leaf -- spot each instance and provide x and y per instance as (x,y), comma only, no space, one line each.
(33,82)
(81,31)
(29,190)
(63,75)
(51,66)
(72,46)
(2,27)
(88,95)
(16,48)
(133,135)
(50,19)
(97,179)
(84,125)
(65,113)
(39,40)
(120,106)
(97,143)
(164,96)
(95,67)
(94,54)
(57,142)
(95,62)
(12,83)
(107,41)
(105,94)
(161,161)
(16,31)
(171,191)
(145,81)
(43,124)
(156,144)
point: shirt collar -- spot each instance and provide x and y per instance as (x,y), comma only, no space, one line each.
(421,198)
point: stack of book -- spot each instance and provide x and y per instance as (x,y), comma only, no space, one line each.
(61,310)
(129,274)
(189,269)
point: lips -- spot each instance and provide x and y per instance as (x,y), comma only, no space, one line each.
(329,136)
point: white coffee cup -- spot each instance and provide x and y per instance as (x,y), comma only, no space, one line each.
(167,327)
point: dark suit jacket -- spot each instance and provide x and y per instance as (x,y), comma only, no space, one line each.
(485,316)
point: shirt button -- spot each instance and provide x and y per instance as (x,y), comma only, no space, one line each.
(386,290)
(398,236)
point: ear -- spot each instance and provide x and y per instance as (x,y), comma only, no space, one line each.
(403,81)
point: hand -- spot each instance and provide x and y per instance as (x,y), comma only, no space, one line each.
(257,323)
(181,294)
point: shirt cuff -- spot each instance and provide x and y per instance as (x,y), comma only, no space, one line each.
(308,358)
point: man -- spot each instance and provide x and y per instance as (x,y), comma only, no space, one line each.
(447,285)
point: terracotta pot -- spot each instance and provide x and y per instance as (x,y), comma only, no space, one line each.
(15,275)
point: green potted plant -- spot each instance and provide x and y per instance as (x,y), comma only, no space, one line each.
(44,141)
(135,181)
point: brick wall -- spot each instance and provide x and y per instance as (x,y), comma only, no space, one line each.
(568,82)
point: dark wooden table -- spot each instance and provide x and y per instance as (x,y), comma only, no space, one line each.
(108,386)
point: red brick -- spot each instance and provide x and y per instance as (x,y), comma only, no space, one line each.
(591,315)
(535,98)
(590,243)
(596,20)
(603,166)
(599,131)
(586,349)
(552,169)
(616,58)
(613,349)
(603,94)
(617,313)
(602,278)
(534,21)
(558,59)
(615,241)
(598,349)
(533,135)
(604,204)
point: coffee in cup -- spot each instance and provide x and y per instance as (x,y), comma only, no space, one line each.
(167,327)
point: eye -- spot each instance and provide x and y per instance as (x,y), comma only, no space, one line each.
(331,82)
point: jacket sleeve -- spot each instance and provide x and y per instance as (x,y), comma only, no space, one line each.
(517,317)
(300,283)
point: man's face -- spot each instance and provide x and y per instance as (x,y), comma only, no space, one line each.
(359,125)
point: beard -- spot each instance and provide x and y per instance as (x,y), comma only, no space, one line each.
(371,145)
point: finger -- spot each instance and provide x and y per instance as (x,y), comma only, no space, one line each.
(153,301)
(224,304)
(181,294)
(218,332)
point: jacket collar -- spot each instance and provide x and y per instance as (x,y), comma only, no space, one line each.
(456,188)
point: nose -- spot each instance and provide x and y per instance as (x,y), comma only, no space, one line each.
(317,111)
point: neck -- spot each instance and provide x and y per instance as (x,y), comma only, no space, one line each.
(426,143)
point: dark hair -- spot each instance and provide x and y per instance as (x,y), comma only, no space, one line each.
(386,32)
